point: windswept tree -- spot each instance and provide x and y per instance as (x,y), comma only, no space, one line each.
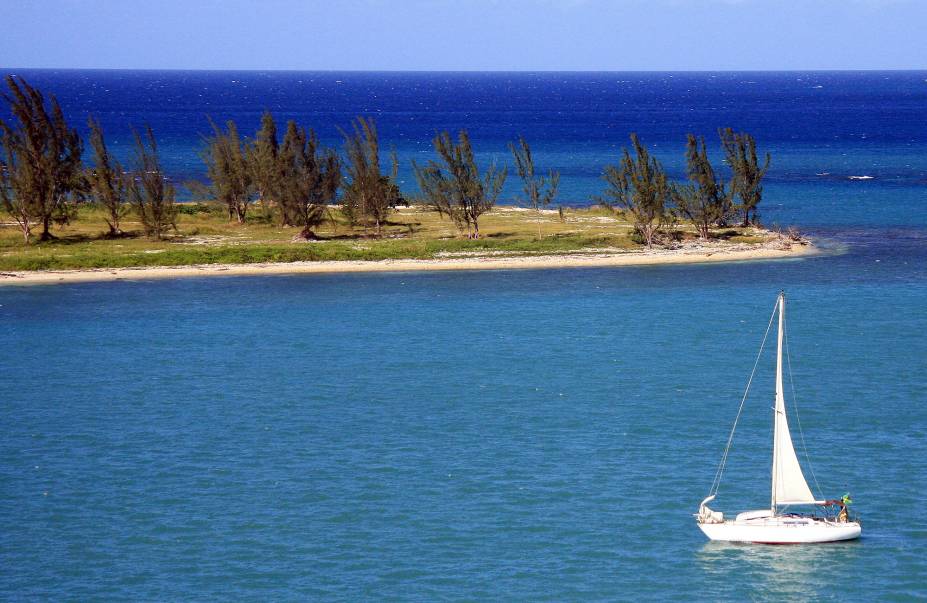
(262,157)
(539,190)
(638,186)
(703,201)
(369,195)
(107,181)
(228,169)
(747,179)
(151,194)
(40,169)
(454,187)
(309,180)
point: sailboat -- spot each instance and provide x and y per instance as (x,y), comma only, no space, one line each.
(777,525)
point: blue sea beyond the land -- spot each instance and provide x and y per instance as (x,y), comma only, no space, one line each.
(511,435)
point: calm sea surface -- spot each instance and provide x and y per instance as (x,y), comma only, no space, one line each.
(481,435)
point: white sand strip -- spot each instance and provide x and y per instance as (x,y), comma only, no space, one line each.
(693,255)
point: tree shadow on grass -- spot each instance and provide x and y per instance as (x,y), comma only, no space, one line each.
(77,238)
(354,236)
(726,234)
(403,224)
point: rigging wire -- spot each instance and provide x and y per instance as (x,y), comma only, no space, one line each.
(801,433)
(720,472)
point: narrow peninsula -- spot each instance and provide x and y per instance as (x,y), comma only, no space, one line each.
(74,212)
(414,238)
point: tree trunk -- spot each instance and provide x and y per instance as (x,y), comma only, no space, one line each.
(648,232)
(476,229)
(363,209)
(46,234)
(113,222)
(305,234)
(264,206)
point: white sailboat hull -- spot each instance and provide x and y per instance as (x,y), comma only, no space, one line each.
(782,530)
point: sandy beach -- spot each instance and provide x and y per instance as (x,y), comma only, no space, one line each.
(690,254)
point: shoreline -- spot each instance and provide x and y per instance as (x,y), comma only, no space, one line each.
(699,254)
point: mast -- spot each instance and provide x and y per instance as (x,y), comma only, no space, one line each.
(779,408)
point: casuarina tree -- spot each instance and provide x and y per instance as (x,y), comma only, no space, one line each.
(262,156)
(369,195)
(638,186)
(703,201)
(539,190)
(453,187)
(151,194)
(107,181)
(40,169)
(309,180)
(747,179)
(229,171)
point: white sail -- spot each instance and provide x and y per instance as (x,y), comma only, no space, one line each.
(788,482)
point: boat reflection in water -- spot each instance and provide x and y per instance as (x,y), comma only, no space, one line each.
(795,572)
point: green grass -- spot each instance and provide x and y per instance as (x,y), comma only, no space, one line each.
(52,256)
(206,237)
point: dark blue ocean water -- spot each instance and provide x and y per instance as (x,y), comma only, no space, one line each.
(482,435)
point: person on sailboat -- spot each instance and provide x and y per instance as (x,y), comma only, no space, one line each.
(844,515)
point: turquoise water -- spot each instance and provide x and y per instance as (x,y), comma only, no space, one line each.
(482,435)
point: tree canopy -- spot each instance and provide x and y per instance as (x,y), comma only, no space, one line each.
(747,180)
(309,178)
(453,186)
(107,180)
(369,195)
(539,190)
(229,171)
(151,194)
(638,186)
(41,166)
(703,201)
(263,163)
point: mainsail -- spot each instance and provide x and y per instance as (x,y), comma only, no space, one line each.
(788,482)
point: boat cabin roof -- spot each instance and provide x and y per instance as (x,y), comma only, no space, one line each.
(748,515)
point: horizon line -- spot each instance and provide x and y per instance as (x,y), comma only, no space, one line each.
(281,70)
